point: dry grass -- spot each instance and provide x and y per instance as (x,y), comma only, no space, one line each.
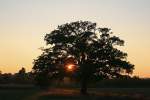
(94,94)
(74,94)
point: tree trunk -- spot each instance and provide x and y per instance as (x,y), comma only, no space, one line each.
(84,74)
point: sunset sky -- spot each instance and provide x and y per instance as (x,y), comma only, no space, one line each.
(24,23)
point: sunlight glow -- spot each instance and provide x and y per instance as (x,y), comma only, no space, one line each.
(70,67)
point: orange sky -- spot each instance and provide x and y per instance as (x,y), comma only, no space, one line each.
(24,23)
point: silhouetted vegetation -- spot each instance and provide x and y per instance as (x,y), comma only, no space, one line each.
(22,77)
(94,50)
(78,55)
(20,86)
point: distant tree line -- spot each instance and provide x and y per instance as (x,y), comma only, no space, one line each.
(25,78)
(21,77)
(134,82)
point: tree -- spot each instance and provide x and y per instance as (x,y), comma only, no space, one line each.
(22,71)
(94,49)
(21,76)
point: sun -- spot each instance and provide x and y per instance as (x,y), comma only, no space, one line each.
(70,67)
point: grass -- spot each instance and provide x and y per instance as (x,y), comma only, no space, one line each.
(97,94)
(33,93)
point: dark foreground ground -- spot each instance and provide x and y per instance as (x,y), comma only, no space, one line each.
(32,93)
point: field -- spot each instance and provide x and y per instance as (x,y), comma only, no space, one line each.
(32,93)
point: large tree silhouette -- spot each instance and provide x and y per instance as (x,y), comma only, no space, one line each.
(93,49)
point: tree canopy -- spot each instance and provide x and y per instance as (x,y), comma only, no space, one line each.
(93,50)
